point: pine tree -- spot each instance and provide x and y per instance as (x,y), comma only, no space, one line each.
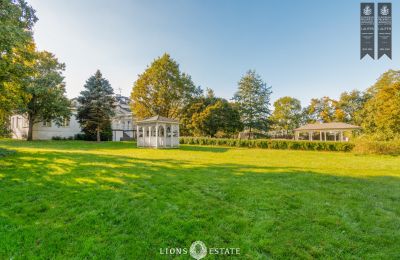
(97,105)
(253,100)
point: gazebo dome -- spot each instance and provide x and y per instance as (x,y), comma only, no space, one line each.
(158,132)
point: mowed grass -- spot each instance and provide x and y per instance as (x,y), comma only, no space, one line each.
(71,199)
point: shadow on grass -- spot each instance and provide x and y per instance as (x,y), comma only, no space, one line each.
(59,204)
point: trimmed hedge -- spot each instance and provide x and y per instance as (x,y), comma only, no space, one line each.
(270,144)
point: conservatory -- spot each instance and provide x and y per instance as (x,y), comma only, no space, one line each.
(158,132)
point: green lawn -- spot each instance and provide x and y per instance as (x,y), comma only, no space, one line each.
(71,199)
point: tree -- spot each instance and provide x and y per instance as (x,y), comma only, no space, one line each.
(97,105)
(16,56)
(46,91)
(350,103)
(162,90)
(253,100)
(221,117)
(323,110)
(381,112)
(287,114)
(193,109)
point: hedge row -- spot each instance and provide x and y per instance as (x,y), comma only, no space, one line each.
(270,144)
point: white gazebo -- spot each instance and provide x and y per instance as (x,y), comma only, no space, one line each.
(157,132)
(323,130)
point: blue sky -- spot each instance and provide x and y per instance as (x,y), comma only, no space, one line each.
(303,49)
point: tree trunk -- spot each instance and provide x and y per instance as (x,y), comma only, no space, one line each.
(98,134)
(30,128)
(249,133)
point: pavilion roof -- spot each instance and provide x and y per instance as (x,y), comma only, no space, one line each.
(159,119)
(328,126)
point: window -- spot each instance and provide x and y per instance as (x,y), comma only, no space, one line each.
(140,131)
(168,131)
(46,123)
(65,123)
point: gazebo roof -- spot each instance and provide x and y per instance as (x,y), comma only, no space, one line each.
(327,126)
(158,119)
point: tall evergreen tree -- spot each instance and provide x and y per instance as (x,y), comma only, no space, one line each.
(253,99)
(97,105)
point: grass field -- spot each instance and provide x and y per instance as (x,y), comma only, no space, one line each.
(71,199)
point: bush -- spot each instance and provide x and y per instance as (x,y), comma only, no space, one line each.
(57,138)
(270,144)
(377,147)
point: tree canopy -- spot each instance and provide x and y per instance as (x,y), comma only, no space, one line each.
(381,112)
(16,55)
(46,90)
(287,114)
(162,89)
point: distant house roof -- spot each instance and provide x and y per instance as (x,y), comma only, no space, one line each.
(327,126)
(159,119)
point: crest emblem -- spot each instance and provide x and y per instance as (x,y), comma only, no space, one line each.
(367,10)
(384,10)
(198,250)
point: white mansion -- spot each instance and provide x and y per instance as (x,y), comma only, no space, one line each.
(122,124)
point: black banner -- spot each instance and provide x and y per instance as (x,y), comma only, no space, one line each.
(367,29)
(384,30)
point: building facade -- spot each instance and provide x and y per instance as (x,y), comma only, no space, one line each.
(122,124)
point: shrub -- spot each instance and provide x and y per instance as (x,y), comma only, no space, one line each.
(270,144)
(377,147)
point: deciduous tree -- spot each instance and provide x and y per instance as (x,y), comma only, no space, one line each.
(287,114)
(162,89)
(16,55)
(46,91)
(220,117)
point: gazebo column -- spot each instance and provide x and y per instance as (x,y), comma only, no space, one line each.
(137,133)
(149,128)
(341,136)
(310,136)
(156,135)
(320,135)
(165,135)
(325,136)
(335,135)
